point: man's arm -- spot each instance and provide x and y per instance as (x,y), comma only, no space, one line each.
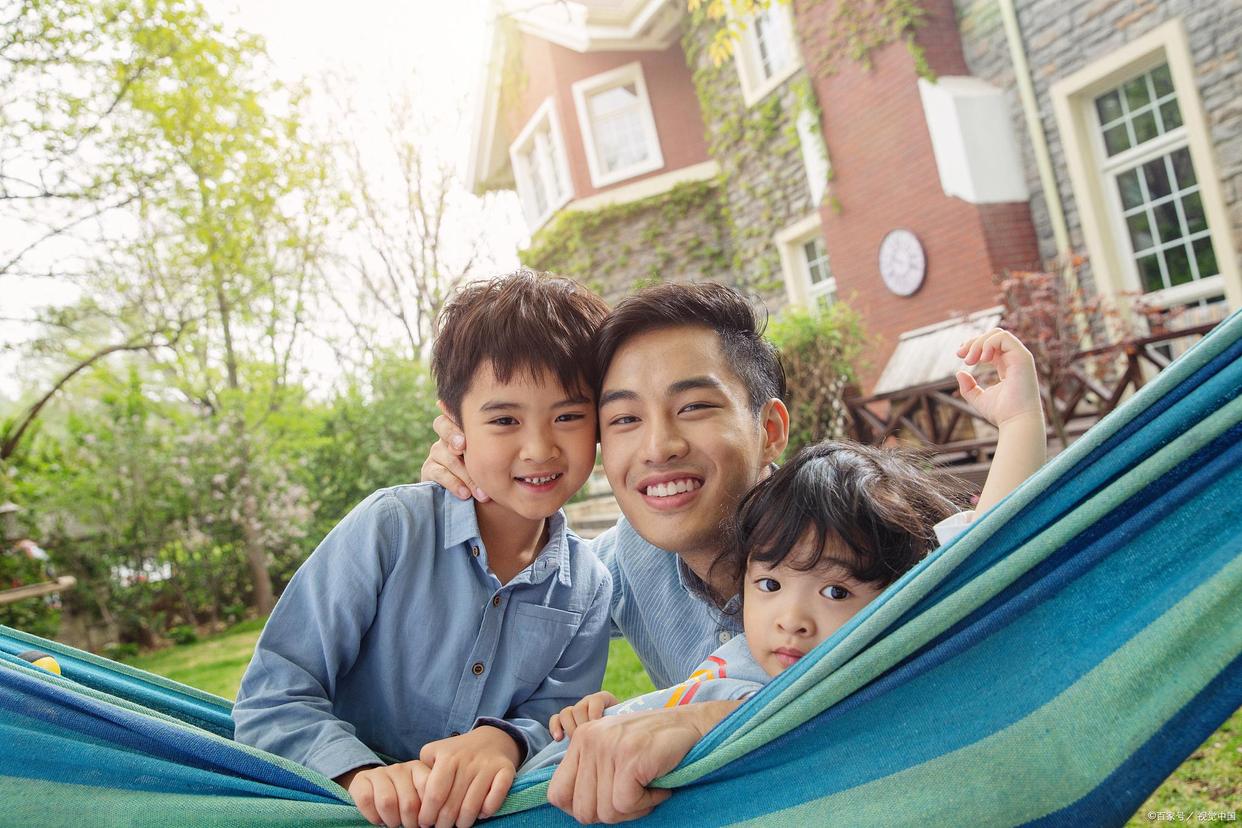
(605,774)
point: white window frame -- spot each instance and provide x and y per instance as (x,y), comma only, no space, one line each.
(789,243)
(545,114)
(746,53)
(583,89)
(1100,214)
(814,155)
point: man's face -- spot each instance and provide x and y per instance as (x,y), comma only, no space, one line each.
(680,445)
(532,445)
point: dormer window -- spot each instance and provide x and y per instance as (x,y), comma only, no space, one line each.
(540,166)
(618,129)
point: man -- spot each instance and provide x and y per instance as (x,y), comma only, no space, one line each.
(691,417)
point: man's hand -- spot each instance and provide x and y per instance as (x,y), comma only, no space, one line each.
(588,710)
(470,776)
(388,795)
(610,762)
(444,464)
(1016,394)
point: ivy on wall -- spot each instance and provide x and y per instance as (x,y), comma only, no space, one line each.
(591,247)
(854,29)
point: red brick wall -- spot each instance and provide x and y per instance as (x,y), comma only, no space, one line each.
(885,177)
(552,70)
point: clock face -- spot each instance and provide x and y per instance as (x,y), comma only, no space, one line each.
(902,262)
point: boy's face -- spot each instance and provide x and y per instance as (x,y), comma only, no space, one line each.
(680,445)
(788,611)
(531,444)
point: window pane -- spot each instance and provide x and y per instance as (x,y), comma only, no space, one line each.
(1157,179)
(816,260)
(1206,257)
(1140,231)
(1116,139)
(1167,224)
(1192,208)
(1145,126)
(772,39)
(1109,107)
(539,195)
(616,121)
(1136,93)
(1177,261)
(1131,191)
(1149,273)
(1171,115)
(1162,80)
(1183,170)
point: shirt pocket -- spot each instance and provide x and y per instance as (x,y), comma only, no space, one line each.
(539,636)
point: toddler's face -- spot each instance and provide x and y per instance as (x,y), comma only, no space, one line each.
(787,611)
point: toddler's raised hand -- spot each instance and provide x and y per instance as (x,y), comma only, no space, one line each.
(1016,394)
(588,710)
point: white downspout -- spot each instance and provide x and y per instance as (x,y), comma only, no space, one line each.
(1030,108)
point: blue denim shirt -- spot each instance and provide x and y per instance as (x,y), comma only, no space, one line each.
(395,633)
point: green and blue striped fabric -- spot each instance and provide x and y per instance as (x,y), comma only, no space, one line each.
(1053,665)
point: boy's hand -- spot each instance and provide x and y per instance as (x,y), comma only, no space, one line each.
(470,777)
(388,795)
(1016,394)
(588,710)
(444,464)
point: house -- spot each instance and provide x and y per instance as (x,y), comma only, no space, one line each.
(900,179)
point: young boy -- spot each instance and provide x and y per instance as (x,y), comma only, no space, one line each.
(428,627)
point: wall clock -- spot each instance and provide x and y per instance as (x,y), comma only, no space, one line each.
(903,264)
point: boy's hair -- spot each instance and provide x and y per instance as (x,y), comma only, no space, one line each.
(873,508)
(722,309)
(524,321)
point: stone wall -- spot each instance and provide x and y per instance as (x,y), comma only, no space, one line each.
(676,236)
(764,182)
(1063,36)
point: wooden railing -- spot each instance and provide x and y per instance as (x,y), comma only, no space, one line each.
(935,417)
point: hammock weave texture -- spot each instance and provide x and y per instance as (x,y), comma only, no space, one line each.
(1052,665)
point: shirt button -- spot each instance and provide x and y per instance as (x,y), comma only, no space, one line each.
(724,637)
(477,669)
(495,600)
(474,550)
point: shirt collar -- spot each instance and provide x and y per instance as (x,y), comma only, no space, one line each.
(461,527)
(694,585)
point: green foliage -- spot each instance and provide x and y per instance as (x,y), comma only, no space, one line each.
(576,242)
(39,615)
(820,348)
(183,634)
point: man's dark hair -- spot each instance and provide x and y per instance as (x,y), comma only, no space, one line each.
(872,509)
(722,309)
(524,321)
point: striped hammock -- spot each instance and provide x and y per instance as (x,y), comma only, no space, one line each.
(1052,665)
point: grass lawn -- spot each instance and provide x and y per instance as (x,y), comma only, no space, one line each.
(1210,780)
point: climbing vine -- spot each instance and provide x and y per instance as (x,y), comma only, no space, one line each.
(624,247)
(853,29)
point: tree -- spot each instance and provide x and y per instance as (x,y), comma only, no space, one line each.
(224,196)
